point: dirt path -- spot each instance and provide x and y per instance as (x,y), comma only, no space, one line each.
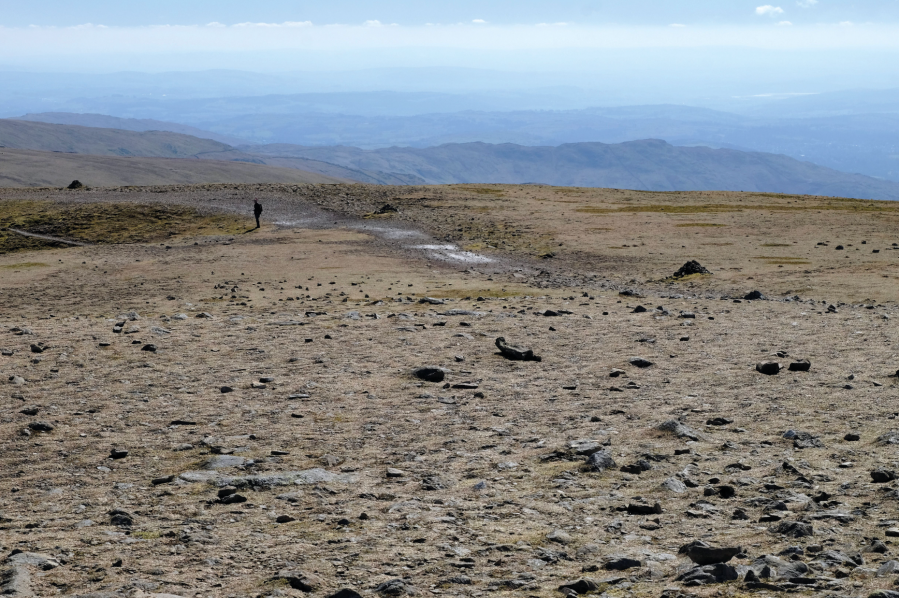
(48,238)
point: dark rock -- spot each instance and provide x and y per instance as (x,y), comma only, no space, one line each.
(719,421)
(41,426)
(32,410)
(515,353)
(882,476)
(284,519)
(345,593)
(300,580)
(884,594)
(121,518)
(672,426)
(76,184)
(637,310)
(740,515)
(430,374)
(621,564)
(640,362)
(392,587)
(769,368)
(118,453)
(805,440)
(149,347)
(638,467)
(852,437)
(793,529)
(226,389)
(691,267)
(386,209)
(163,480)
(600,461)
(717,573)
(582,586)
(644,509)
(702,554)
(37,348)
(802,365)
(233,499)
(754,296)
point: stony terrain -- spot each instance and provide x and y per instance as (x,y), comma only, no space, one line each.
(322,405)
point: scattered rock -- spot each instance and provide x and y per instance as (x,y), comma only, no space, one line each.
(882,476)
(852,437)
(754,296)
(703,554)
(691,267)
(149,347)
(118,453)
(793,529)
(640,362)
(708,574)
(672,426)
(769,368)
(621,564)
(600,461)
(430,374)
(674,485)
(395,473)
(719,421)
(559,536)
(76,184)
(394,587)
(582,586)
(121,518)
(802,365)
(515,353)
(41,426)
(300,580)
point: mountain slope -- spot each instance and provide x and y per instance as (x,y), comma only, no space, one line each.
(650,165)
(27,168)
(16,134)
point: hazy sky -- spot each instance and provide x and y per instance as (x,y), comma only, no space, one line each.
(795,45)
(133,13)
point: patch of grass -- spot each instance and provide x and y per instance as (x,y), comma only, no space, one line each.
(107,223)
(716,208)
(25,265)
(484,191)
(782,260)
(698,224)
(473,293)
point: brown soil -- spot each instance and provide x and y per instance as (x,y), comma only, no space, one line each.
(330,309)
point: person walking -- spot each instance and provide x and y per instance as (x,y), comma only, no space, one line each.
(257,211)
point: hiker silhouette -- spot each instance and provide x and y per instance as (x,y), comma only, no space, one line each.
(257,210)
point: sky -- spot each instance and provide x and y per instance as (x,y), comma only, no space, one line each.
(814,43)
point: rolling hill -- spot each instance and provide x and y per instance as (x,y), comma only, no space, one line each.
(650,165)
(28,168)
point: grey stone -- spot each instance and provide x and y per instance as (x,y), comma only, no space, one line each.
(584,447)
(793,529)
(882,475)
(600,461)
(708,574)
(803,365)
(581,586)
(223,462)
(888,568)
(300,580)
(703,554)
(559,536)
(15,581)
(34,559)
(640,362)
(672,426)
(674,485)
(621,564)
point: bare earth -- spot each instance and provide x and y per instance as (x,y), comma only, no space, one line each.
(389,485)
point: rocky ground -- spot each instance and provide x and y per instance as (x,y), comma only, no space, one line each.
(322,408)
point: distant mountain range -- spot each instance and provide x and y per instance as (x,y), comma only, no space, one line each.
(650,164)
